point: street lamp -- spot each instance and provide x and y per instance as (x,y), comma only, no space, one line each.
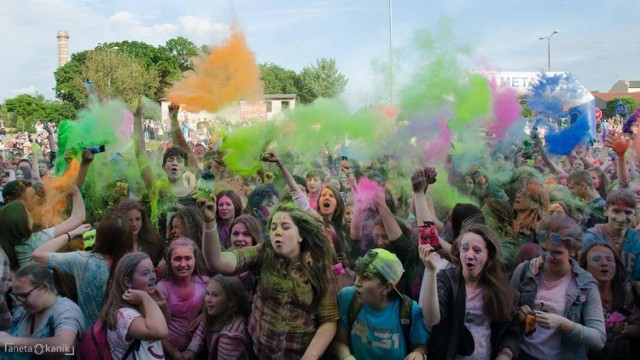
(390,53)
(549,48)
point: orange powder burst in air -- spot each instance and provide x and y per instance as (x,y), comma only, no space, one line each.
(228,74)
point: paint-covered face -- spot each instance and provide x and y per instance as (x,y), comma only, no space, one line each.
(577,189)
(555,256)
(595,179)
(135,220)
(577,165)
(348,215)
(43,169)
(523,201)
(174,168)
(19,175)
(216,300)
(380,237)
(144,278)
(285,236)
(313,185)
(368,290)
(327,202)
(178,228)
(226,211)
(473,255)
(468,184)
(199,151)
(270,201)
(601,263)
(183,261)
(556,209)
(620,215)
(240,236)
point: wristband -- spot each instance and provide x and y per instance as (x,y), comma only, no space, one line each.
(69,236)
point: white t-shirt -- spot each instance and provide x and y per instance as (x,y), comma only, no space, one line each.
(551,297)
(479,324)
(149,350)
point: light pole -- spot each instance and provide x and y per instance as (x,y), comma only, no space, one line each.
(549,48)
(390,52)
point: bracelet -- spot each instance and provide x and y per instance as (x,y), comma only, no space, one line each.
(69,236)
(209,222)
(214,229)
(424,356)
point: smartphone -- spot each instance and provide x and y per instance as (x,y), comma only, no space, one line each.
(96,149)
(428,235)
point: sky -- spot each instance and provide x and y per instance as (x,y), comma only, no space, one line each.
(596,42)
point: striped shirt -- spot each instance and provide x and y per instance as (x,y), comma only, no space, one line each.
(283,317)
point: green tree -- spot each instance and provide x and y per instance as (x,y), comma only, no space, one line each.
(117,74)
(610,111)
(320,80)
(23,111)
(166,63)
(278,80)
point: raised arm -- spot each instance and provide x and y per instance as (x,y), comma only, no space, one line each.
(78,214)
(35,152)
(545,158)
(45,250)
(620,146)
(388,219)
(429,289)
(87,158)
(216,259)
(177,137)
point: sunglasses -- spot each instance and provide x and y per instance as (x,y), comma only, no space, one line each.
(555,237)
(22,297)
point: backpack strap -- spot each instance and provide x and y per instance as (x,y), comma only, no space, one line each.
(94,339)
(135,345)
(354,309)
(405,320)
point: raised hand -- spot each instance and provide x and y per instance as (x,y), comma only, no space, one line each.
(271,158)
(618,143)
(207,209)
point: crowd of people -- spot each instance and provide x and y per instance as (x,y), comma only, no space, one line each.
(300,262)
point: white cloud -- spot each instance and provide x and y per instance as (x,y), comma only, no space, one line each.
(31,90)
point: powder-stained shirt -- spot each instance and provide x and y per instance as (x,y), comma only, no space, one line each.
(26,249)
(91,273)
(283,317)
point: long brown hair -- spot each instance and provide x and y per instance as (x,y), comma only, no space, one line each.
(314,245)
(113,300)
(192,221)
(499,297)
(113,239)
(150,240)
(235,200)
(14,230)
(619,279)
(253,227)
(238,301)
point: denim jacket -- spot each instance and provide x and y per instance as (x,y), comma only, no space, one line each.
(583,307)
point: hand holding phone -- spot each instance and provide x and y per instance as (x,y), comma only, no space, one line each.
(428,235)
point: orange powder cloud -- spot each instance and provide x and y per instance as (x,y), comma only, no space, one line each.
(228,74)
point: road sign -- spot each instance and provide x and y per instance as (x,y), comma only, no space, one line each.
(621,109)
(598,114)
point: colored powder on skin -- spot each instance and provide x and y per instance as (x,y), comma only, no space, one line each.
(229,73)
(365,192)
(472,102)
(506,109)
(245,146)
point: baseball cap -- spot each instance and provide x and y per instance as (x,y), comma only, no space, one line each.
(383,262)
